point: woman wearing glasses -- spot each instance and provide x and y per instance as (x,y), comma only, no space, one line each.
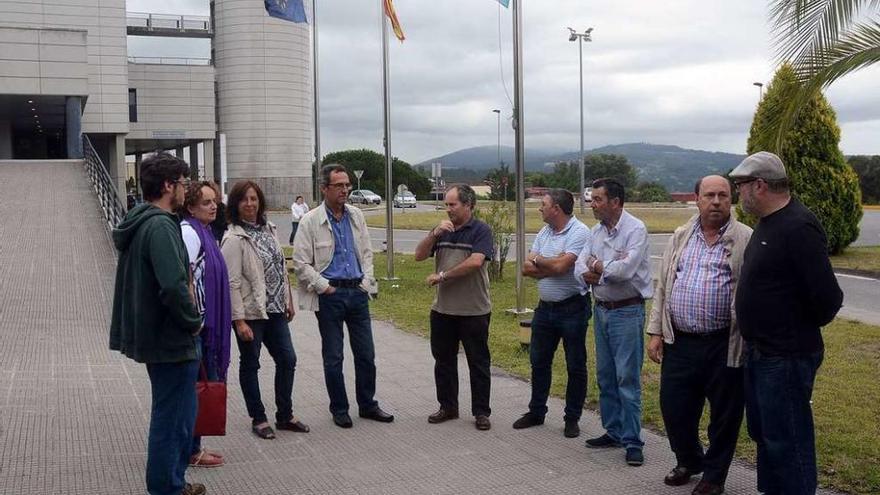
(262,306)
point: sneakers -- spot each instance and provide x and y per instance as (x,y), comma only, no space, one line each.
(205,459)
(602,442)
(527,420)
(443,415)
(634,456)
(194,489)
(572,429)
(482,423)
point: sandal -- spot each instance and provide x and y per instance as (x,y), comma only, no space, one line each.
(293,425)
(265,432)
(205,459)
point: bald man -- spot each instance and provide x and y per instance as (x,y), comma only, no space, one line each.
(695,338)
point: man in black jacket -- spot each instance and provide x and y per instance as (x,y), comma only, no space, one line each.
(787,292)
(156,322)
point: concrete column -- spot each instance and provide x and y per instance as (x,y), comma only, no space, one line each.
(178,152)
(138,158)
(5,140)
(116,163)
(209,160)
(194,164)
(73,122)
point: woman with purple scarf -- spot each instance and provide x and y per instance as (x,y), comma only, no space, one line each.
(211,291)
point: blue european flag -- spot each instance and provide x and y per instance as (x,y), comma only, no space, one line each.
(289,10)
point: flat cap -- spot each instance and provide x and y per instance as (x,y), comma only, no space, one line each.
(761,165)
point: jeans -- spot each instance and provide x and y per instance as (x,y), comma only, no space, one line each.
(172,420)
(275,334)
(780,420)
(352,307)
(566,322)
(211,374)
(473,333)
(620,349)
(293,227)
(695,369)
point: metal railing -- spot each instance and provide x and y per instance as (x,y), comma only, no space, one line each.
(170,60)
(108,197)
(150,21)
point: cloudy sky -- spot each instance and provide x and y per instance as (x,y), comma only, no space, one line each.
(677,72)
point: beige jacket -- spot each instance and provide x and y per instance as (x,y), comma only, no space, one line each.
(247,279)
(313,251)
(734,240)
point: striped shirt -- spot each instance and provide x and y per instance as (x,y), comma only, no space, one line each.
(550,244)
(701,295)
(196,262)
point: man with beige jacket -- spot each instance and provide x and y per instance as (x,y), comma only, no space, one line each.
(333,262)
(694,334)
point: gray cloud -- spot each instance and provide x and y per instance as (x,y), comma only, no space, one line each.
(665,72)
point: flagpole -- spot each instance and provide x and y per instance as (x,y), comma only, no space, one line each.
(389,221)
(316,191)
(519,155)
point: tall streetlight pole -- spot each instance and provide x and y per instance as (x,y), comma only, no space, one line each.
(580,38)
(316,191)
(760,86)
(500,168)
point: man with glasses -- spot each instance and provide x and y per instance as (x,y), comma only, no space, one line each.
(155,320)
(333,262)
(616,264)
(562,313)
(786,293)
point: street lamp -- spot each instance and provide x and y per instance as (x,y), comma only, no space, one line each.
(580,38)
(760,86)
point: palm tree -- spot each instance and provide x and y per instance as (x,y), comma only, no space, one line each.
(824,40)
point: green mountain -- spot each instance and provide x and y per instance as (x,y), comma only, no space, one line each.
(675,167)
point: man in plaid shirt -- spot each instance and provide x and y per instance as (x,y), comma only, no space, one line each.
(695,337)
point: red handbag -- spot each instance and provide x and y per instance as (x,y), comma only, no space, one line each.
(211,418)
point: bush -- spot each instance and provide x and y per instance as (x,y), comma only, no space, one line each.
(499,217)
(819,174)
(373,165)
(649,192)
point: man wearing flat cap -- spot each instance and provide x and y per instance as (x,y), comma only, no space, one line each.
(786,293)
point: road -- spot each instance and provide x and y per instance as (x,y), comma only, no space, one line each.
(860,293)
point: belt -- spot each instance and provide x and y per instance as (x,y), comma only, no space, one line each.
(632,301)
(577,298)
(348,283)
(723,332)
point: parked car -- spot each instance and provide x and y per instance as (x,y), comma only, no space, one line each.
(364,197)
(404,199)
(588,194)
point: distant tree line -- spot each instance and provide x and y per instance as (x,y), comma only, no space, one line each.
(868,170)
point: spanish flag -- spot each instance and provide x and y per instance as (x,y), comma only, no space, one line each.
(395,23)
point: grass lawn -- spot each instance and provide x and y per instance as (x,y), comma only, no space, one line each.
(864,259)
(656,219)
(845,400)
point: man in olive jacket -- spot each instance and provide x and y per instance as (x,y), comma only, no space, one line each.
(155,321)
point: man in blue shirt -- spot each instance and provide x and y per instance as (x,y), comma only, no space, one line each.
(562,313)
(333,262)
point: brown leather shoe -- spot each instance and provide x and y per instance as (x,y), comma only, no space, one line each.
(293,425)
(194,489)
(482,423)
(706,488)
(680,475)
(443,415)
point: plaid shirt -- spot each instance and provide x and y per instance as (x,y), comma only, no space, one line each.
(701,295)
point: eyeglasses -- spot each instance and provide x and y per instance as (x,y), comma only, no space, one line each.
(340,185)
(183,182)
(741,183)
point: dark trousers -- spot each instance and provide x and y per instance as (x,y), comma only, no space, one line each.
(352,307)
(473,333)
(275,334)
(780,420)
(293,227)
(566,321)
(172,420)
(695,369)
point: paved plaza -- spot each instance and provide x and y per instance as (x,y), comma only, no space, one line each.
(73,415)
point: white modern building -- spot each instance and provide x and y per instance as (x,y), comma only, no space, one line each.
(65,72)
